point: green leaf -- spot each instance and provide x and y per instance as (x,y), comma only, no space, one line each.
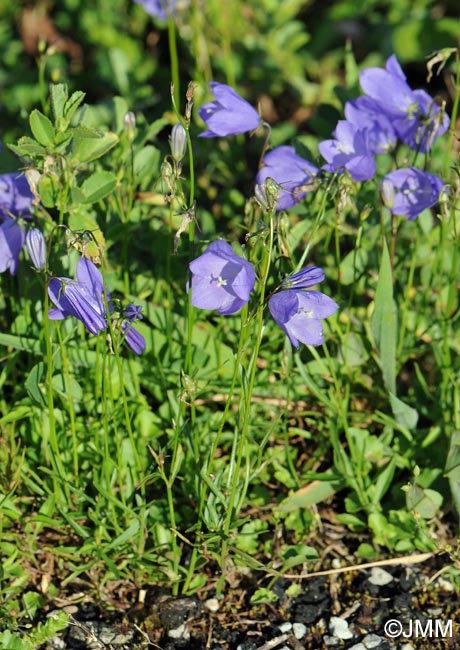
(42,128)
(405,415)
(72,104)
(27,148)
(309,495)
(48,191)
(98,186)
(35,386)
(126,536)
(87,149)
(424,502)
(263,596)
(146,160)
(59,96)
(67,388)
(384,322)
(452,470)
(383,482)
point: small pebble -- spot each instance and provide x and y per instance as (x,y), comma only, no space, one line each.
(406,646)
(330,640)
(56,643)
(212,604)
(444,584)
(357,646)
(339,628)
(379,577)
(285,627)
(300,630)
(372,641)
(181,632)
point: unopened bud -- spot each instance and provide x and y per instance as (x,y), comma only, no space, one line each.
(178,142)
(130,125)
(35,243)
(388,193)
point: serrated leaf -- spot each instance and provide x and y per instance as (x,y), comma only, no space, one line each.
(384,322)
(98,186)
(42,128)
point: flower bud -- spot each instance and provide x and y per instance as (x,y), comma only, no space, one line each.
(35,243)
(388,193)
(130,125)
(178,142)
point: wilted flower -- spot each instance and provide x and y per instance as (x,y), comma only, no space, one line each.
(350,150)
(11,242)
(229,114)
(293,174)
(15,195)
(409,191)
(35,244)
(161,8)
(415,116)
(178,142)
(221,279)
(84,299)
(299,312)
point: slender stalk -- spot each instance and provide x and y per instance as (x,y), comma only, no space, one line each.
(241,436)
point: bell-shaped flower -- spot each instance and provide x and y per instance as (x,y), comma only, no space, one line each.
(221,279)
(415,116)
(161,8)
(36,247)
(11,242)
(350,149)
(407,192)
(298,312)
(365,113)
(229,114)
(84,299)
(294,175)
(15,195)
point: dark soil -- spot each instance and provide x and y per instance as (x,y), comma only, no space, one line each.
(346,611)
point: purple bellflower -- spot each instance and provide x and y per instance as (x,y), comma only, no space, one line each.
(365,113)
(415,116)
(11,242)
(221,279)
(229,114)
(15,195)
(160,8)
(84,299)
(350,149)
(293,174)
(299,312)
(36,247)
(408,192)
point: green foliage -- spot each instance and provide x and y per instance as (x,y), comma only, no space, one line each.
(220,446)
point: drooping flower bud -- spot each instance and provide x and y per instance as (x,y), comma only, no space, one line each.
(35,243)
